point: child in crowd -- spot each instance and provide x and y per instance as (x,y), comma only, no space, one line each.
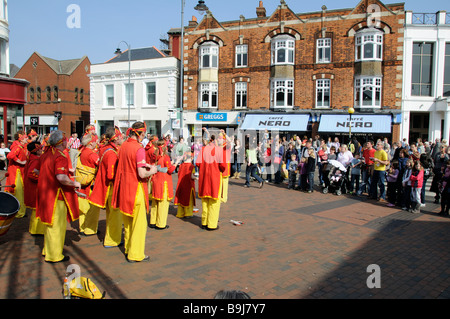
(392,176)
(416,179)
(292,171)
(355,172)
(406,183)
(336,175)
(310,168)
(303,179)
(185,191)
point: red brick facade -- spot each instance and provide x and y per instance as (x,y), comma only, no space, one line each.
(68,85)
(339,25)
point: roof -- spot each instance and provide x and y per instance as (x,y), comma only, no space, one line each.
(138,54)
(63,66)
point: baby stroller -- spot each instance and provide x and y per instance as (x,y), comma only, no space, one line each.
(338,178)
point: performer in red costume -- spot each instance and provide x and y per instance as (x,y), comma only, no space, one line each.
(211,166)
(185,193)
(130,193)
(57,201)
(17,159)
(101,195)
(31,175)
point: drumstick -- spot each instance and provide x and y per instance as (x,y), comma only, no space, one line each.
(80,194)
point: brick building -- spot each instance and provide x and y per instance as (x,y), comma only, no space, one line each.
(58,94)
(296,72)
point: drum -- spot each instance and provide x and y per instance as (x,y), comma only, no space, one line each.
(8,210)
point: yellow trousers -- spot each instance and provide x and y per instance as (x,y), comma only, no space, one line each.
(114,222)
(89,215)
(18,193)
(136,229)
(36,226)
(186,211)
(211,210)
(55,235)
(225,180)
(160,210)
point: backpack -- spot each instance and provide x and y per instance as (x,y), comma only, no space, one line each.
(86,289)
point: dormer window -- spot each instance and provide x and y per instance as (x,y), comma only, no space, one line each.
(209,55)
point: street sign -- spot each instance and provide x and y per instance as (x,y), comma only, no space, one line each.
(34,120)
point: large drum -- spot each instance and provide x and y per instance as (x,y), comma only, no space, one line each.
(9,206)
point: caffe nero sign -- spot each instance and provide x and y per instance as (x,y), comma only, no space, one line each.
(357,123)
(291,122)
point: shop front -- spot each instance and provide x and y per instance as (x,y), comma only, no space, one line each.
(13,97)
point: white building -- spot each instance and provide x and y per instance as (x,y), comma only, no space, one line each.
(426,77)
(149,94)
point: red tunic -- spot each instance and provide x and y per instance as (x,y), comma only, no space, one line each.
(227,159)
(185,185)
(127,179)
(211,166)
(18,153)
(54,162)
(160,179)
(31,180)
(150,156)
(105,175)
(88,158)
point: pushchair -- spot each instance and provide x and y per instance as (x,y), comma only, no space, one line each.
(337,184)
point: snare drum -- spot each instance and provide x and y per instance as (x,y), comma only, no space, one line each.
(8,210)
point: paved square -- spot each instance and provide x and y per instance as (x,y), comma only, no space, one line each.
(291,245)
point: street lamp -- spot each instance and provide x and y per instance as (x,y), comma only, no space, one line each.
(119,52)
(350,111)
(201,8)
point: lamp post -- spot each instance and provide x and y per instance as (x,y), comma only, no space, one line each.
(350,111)
(118,51)
(200,7)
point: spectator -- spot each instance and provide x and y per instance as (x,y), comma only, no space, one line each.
(3,153)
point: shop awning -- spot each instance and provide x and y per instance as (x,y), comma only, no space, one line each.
(276,122)
(359,123)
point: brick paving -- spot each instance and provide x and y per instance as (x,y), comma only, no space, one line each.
(292,245)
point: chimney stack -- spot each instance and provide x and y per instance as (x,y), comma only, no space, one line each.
(261,11)
(193,22)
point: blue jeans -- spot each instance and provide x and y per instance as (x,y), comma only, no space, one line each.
(251,170)
(310,181)
(378,179)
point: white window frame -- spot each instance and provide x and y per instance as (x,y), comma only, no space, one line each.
(242,55)
(211,50)
(240,89)
(284,43)
(368,83)
(212,89)
(106,104)
(125,95)
(323,86)
(369,37)
(322,46)
(278,86)
(146,94)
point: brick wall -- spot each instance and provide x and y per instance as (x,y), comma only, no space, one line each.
(339,24)
(40,74)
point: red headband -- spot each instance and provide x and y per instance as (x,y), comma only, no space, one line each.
(118,134)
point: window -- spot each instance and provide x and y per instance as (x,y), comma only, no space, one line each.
(56,93)
(368,92)
(82,96)
(38,94)
(323,93)
(76,95)
(48,92)
(3,57)
(283,50)
(209,55)
(151,93)
(241,56)
(422,68)
(129,94)
(208,95)
(447,70)
(282,93)
(369,45)
(31,95)
(324,50)
(241,95)
(109,94)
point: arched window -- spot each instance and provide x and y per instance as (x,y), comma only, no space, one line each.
(38,94)
(32,95)
(369,45)
(283,50)
(48,92)
(55,93)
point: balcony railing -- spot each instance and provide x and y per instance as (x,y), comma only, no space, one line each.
(424,18)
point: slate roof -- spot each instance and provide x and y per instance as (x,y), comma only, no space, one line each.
(64,66)
(138,54)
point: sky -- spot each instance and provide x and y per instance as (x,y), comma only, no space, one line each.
(42,25)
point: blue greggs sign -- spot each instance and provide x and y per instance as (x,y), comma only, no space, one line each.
(212,117)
